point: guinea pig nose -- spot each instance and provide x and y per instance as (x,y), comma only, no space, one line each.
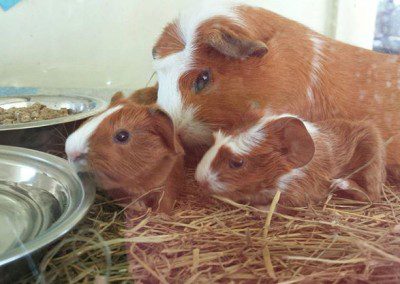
(76,157)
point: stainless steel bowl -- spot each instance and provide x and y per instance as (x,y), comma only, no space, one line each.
(41,199)
(48,135)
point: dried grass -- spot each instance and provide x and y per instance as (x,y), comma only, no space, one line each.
(216,240)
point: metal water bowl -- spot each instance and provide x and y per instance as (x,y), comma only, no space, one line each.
(41,199)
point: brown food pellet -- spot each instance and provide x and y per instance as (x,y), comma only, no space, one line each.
(25,117)
(7,121)
(35,112)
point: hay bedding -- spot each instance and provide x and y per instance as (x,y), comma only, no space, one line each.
(213,240)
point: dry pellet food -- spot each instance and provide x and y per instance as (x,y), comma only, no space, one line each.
(35,112)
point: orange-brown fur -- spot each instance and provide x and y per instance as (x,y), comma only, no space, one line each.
(148,96)
(145,96)
(352,151)
(353,83)
(151,160)
(170,43)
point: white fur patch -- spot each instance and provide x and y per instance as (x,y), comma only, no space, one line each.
(310,95)
(77,142)
(196,132)
(204,172)
(215,184)
(245,142)
(288,178)
(171,68)
(341,183)
(311,128)
(316,66)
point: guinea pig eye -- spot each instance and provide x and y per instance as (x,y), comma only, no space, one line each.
(202,81)
(122,137)
(236,164)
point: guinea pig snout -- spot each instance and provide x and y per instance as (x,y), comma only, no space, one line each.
(78,161)
(76,157)
(211,182)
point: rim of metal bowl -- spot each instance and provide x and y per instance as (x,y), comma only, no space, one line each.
(62,226)
(101,105)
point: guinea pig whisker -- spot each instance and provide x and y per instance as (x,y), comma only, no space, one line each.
(58,144)
(65,130)
(60,133)
(151,78)
(67,133)
(74,126)
(59,137)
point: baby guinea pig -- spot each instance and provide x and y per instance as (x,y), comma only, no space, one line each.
(304,161)
(132,149)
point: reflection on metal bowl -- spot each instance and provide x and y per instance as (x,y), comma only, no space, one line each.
(41,199)
(48,135)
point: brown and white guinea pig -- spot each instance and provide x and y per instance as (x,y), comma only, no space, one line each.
(132,149)
(304,161)
(222,56)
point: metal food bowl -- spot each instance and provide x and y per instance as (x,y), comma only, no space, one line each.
(48,135)
(41,199)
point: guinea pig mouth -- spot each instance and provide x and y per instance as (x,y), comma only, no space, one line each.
(80,165)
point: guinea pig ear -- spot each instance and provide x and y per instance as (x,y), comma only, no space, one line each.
(146,96)
(165,128)
(234,42)
(116,98)
(296,142)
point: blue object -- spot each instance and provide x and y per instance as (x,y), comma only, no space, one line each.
(7,4)
(14,91)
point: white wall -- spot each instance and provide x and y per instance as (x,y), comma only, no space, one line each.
(316,14)
(360,16)
(106,44)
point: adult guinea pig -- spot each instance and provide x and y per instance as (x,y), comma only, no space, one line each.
(220,57)
(304,161)
(132,149)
